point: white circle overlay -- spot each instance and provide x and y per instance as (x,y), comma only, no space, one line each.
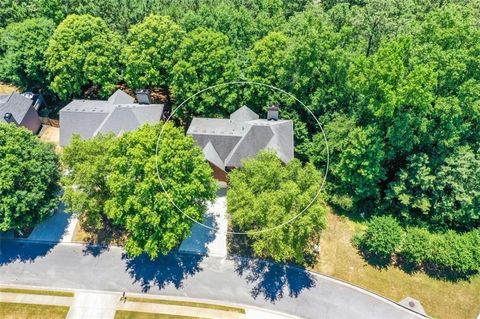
(253,232)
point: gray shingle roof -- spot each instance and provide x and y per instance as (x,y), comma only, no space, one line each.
(216,127)
(212,156)
(125,118)
(120,97)
(16,104)
(91,117)
(244,114)
(227,142)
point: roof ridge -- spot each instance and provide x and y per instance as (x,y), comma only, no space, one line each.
(102,124)
(230,155)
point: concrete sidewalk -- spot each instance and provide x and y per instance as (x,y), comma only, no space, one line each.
(94,305)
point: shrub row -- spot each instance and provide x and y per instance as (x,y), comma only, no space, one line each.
(448,253)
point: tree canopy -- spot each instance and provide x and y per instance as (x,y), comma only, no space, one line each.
(121,188)
(83,52)
(149,51)
(29,179)
(22,53)
(265,199)
(205,58)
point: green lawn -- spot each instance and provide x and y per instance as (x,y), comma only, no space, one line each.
(441,299)
(187,304)
(121,314)
(38,292)
(10,310)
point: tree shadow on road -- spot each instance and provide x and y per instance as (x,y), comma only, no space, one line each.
(171,269)
(272,280)
(94,249)
(15,251)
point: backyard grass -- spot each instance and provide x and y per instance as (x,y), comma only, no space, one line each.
(121,314)
(38,292)
(441,299)
(10,310)
(187,304)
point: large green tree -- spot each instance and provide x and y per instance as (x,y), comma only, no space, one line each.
(22,53)
(266,64)
(205,58)
(265,199)
(237,22)
(148,55)
(29,175)
(120,187)
(443,197)
(82,54)
(88,165)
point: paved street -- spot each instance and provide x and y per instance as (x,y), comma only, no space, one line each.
(241,281)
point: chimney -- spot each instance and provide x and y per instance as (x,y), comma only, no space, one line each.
(143,97)
(272,114)
(8,117)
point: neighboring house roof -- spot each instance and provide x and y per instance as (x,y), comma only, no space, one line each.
(16,104)
(118,114)
(227,142)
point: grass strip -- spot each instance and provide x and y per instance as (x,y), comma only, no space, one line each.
(38,292)
(122,314)
(11,310)
(187,304)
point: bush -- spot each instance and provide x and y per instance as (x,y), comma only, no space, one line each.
(450,255)
(455,254)
(382,237)
(417,246)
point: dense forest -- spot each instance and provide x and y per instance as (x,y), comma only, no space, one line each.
(395,84)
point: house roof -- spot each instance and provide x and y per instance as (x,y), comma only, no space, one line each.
(16,104)
(120,97)
(244,114)
(227,142)
(125,118)
(212,156)
(118,114)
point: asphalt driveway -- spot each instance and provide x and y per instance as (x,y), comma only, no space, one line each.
(57,228)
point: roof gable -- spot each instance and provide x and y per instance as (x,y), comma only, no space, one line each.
(244,114)
(120,97)
(212,156)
